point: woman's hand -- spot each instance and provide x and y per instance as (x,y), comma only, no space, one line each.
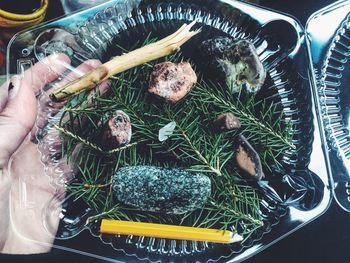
(25,179)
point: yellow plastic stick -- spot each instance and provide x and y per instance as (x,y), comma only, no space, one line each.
(168,231)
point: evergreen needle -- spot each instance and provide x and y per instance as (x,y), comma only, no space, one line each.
(192,145)
(241,113)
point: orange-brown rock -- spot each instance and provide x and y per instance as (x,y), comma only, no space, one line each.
(171,81)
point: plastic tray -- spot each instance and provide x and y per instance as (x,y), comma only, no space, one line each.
(302,184)
(328,40)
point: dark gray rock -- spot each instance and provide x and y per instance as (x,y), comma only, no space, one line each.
(233,63)
(155,189)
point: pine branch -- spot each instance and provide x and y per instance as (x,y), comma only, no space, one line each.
(192,146)
(89,186)
(92,145)
(211,95)
(199,155)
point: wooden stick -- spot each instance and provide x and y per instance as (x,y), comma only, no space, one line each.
(127,61)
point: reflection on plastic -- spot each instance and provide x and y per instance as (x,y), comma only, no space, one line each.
(72,213)
(329,47)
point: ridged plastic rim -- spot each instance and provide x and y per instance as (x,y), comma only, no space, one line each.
(277,74)
(329,91)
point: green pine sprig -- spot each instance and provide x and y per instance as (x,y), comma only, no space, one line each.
(193,145)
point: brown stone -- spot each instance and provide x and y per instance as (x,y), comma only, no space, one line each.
(248,159)
(172,81)
(226,122)
(117,131)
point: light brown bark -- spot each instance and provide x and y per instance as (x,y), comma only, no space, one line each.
(127,61)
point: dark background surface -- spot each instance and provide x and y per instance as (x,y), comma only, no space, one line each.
(327,239)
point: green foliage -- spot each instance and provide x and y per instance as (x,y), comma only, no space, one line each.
(193,146)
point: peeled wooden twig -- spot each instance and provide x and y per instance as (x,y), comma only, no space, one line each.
(127,61)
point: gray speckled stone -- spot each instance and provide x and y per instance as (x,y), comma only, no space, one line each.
(171,191)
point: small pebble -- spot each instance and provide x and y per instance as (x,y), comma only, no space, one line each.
(117,131)
(156,189)
(248,159)
(172,81)
(226,122)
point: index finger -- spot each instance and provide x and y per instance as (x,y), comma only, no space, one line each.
(46,70)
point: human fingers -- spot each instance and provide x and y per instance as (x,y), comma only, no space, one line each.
(19,113)
(50,111)
(46,70)
(16,120)
(48,108)
(4,90)
(77,72)
(41,73)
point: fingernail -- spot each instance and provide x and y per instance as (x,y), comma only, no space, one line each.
(13,87)
(3,96)
(10,86)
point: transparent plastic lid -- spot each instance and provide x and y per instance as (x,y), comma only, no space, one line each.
(329,41)
(294,191)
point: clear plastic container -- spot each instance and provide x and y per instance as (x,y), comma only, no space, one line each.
(70,6)
(293,196)
(328,41)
